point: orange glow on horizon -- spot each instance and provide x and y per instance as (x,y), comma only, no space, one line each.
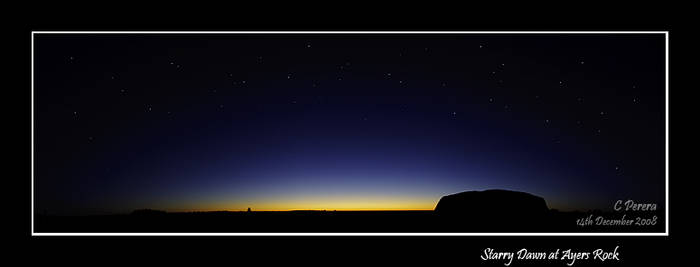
(326,210)
(365,203)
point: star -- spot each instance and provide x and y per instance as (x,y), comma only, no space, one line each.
(308,45)
(491,99)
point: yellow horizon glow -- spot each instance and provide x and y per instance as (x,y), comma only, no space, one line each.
(328,203)
(326,210)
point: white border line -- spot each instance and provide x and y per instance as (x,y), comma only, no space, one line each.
(351,32)
(667,136)
(349,234)
(32,112)
(666,33)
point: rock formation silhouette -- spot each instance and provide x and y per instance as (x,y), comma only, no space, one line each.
(495,208)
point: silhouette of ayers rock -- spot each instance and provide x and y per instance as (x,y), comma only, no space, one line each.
(495,206)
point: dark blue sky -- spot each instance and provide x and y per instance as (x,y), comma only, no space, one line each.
(278,122)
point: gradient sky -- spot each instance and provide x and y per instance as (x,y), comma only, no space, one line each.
(280,122)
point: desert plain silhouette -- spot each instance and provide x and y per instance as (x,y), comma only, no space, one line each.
(493,210)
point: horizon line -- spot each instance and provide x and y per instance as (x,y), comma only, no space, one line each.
(202,211)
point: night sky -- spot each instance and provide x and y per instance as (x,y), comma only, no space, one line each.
(184,122)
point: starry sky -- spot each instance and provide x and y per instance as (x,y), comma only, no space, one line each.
(184,122)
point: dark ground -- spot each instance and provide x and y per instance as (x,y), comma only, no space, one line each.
(333,221)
